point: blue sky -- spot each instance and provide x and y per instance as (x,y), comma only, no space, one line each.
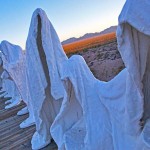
(70,18)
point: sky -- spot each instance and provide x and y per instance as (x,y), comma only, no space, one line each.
(70,18)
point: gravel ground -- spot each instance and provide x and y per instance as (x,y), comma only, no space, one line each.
(104,61)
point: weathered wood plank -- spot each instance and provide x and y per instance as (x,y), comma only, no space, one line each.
(10,112)
(11,136)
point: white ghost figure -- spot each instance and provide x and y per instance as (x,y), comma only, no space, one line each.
(44,59)
(14,63)
(133,36)
(107,115)
(6,84)
(12,91)
(90,111)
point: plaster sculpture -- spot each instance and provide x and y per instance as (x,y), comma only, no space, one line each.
(14,63)
(45,57)
(133,37)
(108,115)
(94,114)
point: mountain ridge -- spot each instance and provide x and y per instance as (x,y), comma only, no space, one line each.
(89,35)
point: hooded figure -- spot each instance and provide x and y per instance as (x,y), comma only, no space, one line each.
(92,111)
(107,115)
(11,89)
(45,57)
(14,63)
(77,126)
(8,85)
(133,35)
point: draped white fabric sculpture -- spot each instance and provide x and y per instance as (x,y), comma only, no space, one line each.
(92,111)
(45,57)
(98,115)
(14,62)
(134,45)
(94,115)
(11,90)
(6,84)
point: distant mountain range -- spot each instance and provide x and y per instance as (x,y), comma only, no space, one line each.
(89,35)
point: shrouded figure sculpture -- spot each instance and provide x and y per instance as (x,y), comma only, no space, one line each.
(37,74)
(91,113)
(14,62)
(133,36)
(11,90)
(107,115)
(45,57)
(69,104)
(84,120)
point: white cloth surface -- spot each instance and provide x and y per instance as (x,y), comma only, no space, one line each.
(14,63)
(98,115)
(9,86)
(45,57)
(92,112)
(133,36)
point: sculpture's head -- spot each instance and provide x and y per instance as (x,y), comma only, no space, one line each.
(10,52)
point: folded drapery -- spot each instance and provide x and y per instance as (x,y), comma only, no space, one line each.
(11,91)
(93,113)
(45,57)
(98,115)
(14,62)
(133,36)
